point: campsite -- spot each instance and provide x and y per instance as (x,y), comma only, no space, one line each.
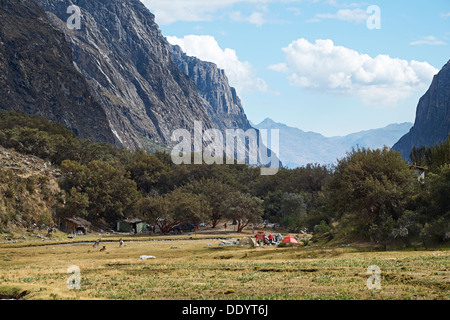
(213,265)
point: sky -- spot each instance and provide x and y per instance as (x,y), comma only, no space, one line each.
(327,66)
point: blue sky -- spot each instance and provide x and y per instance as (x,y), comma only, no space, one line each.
(315,64)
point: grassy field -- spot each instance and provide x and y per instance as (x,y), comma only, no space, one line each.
(198,268)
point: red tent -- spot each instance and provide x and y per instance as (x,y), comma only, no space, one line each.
(290,239)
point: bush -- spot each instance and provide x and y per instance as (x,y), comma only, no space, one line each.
(321,228)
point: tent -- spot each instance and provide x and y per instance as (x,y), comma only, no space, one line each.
(290,239)
(247,242)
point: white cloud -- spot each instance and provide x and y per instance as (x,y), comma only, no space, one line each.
(240,74)
(380,81)
(445,15)
(170,11)
(429,40)
(349,15)
(256,18)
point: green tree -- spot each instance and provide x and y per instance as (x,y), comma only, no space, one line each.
(292,211)
(108,187)
(173,208)
(77,204)
(244,209)
(215,192)
(146,170)
(369,191)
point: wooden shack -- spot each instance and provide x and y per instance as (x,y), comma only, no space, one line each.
(75,225)
(131,225)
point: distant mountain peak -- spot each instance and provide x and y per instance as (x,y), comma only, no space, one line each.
(298,148)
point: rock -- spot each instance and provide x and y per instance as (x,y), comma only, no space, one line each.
(228,243)
(144,257)
(38,75)
(432,124)
(225,107)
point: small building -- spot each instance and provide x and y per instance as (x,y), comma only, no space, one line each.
(75,225)
(131,225)
(420,171)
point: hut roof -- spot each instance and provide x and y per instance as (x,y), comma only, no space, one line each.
(133,220)
(79,221)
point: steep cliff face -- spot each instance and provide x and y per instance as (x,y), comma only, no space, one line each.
(37,74)
(432,124)
(225,107)
(129,66)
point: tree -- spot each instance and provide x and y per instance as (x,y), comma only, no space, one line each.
(292,210)
(110,192)
(434,206)
(173,208)
(433,157)
(77,203)
(369,191)
(146,170)
(244,209)
(215,192)
(272,206)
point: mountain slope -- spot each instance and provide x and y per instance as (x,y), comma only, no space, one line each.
(129,66)
(225,107)
(37,75)
(432,124)
(298,148)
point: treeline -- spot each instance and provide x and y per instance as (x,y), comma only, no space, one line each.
(369,194)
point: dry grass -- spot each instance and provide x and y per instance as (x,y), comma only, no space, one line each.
(198,271)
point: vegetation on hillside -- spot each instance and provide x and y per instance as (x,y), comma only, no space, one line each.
(370,194)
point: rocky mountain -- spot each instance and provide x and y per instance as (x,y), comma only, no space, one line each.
(130,68)
(432,124)
(298,148)
(37,74)
(225,107)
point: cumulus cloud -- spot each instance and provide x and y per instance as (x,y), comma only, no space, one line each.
(240,73)
(378,81)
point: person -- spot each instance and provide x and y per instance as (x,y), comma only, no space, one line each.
(270,237)
(121,243)
(225,226)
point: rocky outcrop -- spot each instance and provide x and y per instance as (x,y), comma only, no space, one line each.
(129,66)
(432,124)
(37,74)
(225,107)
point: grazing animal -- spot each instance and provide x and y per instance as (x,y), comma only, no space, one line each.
(96,244)
(103,249)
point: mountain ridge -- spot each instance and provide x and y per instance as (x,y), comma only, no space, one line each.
(130,68)
(299,148)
